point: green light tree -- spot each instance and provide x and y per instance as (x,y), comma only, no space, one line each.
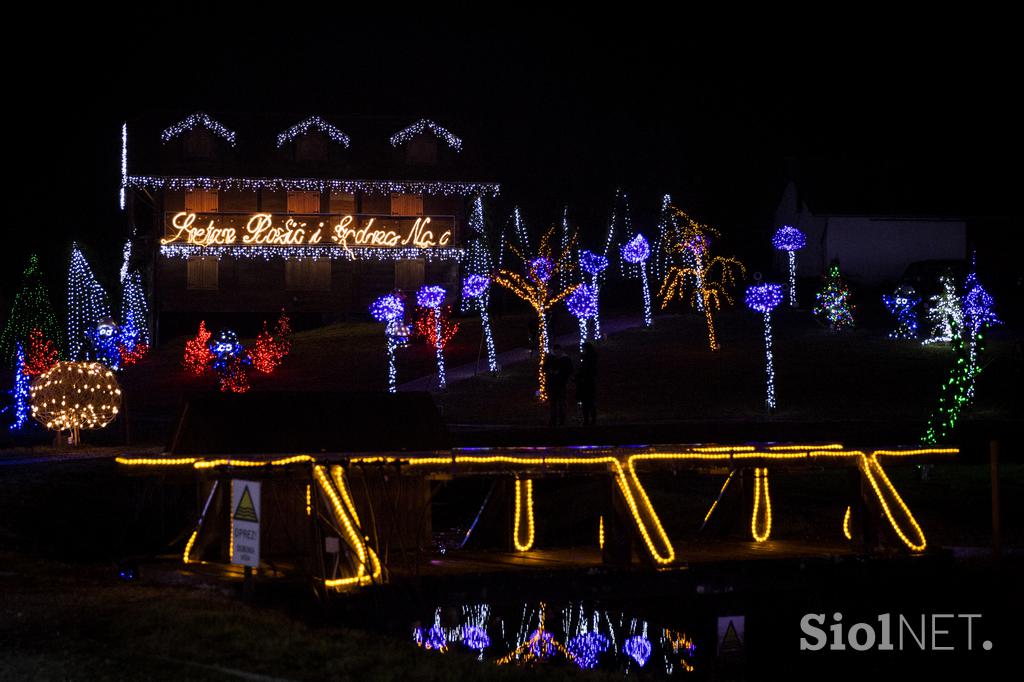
(834,307)
(31,310)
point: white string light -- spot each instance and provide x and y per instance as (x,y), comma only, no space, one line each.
(424,125)
(124,164)
(328,251)
(87,303)
(190,183)
(198,119)
(313,122)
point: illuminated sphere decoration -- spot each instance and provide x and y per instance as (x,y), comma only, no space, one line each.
(582,303)
(475,285)
(387,308)
(636,250)
(541,269)
(74,396)
(788,238)
(430,296)
(592,263)
(763,298)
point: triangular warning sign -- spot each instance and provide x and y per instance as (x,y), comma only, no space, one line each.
(246,511)
(730,641)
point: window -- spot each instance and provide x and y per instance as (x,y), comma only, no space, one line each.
(307,274)
(202,201)
(303,202)
(203,272)
(409,274)
(406,204)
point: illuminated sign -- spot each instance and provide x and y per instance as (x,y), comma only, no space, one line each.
(299,229)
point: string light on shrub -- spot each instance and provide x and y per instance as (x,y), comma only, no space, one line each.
(20,391)
(432,296)
(422,126)
(74,396)
(637,251)
(789,239)
(594,264)
(272,346)
(312,123)
(41,354)
(944,313)
(902,303)
(198,356)
(534,290)
(582,303)
(834,307)
(330,252)
(477,288)
(198,119)
(764,298)
(243,184)
(87,303)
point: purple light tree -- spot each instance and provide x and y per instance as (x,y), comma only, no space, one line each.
(390,310)
(790,240)
(477,288)
(432,296)
(763,298)
(637,251)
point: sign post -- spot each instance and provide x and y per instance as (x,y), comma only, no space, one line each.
(245,527)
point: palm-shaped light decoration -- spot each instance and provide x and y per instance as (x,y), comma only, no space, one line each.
(763,298)
(708,290)
(432,296)
(390,310)
(637,251)
(582,303)
(477,288)
(535,288)
(594,264)
(789,239)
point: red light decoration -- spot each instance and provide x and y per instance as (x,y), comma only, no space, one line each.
(41,355)
(271,348)
(235,377)
(198,355)
(130,356)
(424,327)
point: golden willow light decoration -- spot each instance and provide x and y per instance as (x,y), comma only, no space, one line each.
(539,287)
(74,396)
(711,276)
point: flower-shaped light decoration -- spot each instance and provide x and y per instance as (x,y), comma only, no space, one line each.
(582,303)
(764,298)
(789,239)
(592,263)
(637,251)
(475,287)
(432,296)
(586,648)
(638,648)
(390,309)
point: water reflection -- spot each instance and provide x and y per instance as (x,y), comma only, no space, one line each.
(585,636)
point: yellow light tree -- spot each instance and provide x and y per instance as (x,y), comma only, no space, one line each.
(711,276)
(539,288)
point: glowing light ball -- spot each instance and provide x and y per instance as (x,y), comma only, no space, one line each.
(592,263)
(587,648)
(430,296)
(582,303)
(789,239)
(475,285)
(475,637)
(74,396)
(387,308)
(638,648)
(541,269)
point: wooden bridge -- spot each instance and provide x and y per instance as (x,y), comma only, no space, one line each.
(319,489)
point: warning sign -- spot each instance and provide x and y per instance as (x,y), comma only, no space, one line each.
(730,635)
(245,523)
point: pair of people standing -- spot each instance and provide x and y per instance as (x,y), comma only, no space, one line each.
(558,369)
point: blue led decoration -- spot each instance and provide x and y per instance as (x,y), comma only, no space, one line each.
(638,648)
(764,298)
(582,303)
(19,391)
(594,264)
(225,347)
(789,239)
(902,303)
(432,296)
(978,308)
(475,637)
(476,288)
(637,251)
(541,269)
(104,343)
(542,644)
(435,639)
(587,648)
(390,309)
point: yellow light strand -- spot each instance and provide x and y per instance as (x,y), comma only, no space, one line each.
(721,492)
(846,524)
(309,500)
(523,487)
(600,532)
(762,516)
(355,541)
(883,487)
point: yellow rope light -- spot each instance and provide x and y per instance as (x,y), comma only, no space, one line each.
(721,492)
(309,500)
(520,486)
(363,551)
(846,524)
(883,488)
(600,532)
(762,516)
(155,461)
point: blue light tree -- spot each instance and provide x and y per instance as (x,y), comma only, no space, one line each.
(477,288)
(432,296)
(637,251)
(764,298)
(390,310)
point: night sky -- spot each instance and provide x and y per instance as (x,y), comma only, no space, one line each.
(903,119)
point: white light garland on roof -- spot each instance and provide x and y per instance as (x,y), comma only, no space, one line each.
(444,188)
(329,251)
(198,119)
(313,122)
(423,125)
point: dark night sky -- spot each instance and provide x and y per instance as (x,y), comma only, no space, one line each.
(560,114)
